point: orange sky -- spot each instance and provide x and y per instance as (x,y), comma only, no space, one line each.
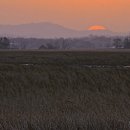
(77,14)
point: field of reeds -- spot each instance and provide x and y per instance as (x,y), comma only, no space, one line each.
(64,90)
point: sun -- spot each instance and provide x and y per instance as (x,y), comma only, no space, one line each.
(97,27)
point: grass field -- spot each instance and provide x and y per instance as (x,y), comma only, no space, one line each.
(58,91)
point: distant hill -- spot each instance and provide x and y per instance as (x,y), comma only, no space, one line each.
(47,30)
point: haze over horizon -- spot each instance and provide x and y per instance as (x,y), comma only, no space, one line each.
(75,14)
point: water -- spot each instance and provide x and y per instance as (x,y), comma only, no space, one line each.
(92,66)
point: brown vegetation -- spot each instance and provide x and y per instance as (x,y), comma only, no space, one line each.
(53,91)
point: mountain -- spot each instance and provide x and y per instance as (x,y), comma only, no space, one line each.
(46,30)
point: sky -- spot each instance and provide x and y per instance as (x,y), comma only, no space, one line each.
(75,14)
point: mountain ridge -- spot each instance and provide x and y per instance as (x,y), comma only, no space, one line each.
(48,30)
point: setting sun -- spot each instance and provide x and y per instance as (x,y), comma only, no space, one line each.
(97,27)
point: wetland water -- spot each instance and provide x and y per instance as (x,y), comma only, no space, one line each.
(91,66)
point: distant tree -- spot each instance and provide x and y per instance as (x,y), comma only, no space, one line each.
(118,43)
(51,46)
(23,45)
(13,46)
(4,43)
(65,44)
(127,42)
(42,47)
(56,44)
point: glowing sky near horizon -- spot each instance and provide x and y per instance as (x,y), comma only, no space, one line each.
(77,14)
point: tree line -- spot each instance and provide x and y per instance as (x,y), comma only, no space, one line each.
(122,43)
(64,44)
